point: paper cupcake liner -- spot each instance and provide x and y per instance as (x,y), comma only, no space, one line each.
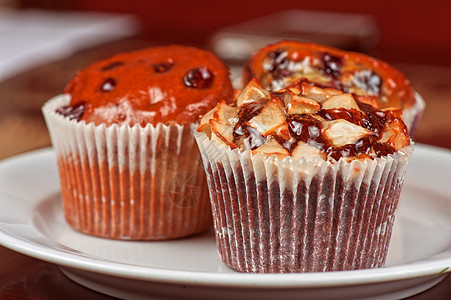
(277,216)
(412,115)
(126,182)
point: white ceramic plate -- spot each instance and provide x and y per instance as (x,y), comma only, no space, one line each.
(31,222)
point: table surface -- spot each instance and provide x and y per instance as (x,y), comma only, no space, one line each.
(22,129)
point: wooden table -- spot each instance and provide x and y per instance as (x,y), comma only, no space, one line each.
(22,129)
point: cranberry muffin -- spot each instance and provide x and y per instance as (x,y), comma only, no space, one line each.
(171,84)
(286,63)
(122,133)
(303,179)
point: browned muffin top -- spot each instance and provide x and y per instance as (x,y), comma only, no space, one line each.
(280,65)
(154,85)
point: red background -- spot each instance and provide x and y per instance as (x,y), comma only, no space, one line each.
(411,31)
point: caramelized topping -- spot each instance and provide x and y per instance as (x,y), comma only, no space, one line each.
(306,122)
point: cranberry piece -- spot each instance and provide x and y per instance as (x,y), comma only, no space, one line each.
(332,64)
(111,66)
(200,78)
(108,85)
(73,112)
(163,67)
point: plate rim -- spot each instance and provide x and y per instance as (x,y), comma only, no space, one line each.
(435,267)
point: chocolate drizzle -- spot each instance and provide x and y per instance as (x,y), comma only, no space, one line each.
(307,129)
(242,132)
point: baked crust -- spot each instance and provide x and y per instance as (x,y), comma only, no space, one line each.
(154,85)
(279,65)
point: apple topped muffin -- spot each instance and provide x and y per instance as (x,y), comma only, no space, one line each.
(303,179)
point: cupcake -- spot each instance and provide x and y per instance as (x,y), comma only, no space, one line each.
(303,179)
(285,63)
(122,134)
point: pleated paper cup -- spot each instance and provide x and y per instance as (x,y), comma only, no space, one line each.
(280,216)
(124,182)
(412,115)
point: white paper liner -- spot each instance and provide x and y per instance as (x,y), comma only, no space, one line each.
(126,182)
(274,215)
(412,115)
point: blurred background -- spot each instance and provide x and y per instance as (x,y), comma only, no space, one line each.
(44,42)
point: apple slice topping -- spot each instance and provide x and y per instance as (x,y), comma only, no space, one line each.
(251,93)
(306,151)
(272,146)
(270,119)
(341,132)
(306,121)
(340,101)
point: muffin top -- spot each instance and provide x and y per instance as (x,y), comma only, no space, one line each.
(155,85)
(306,121)
(280,65)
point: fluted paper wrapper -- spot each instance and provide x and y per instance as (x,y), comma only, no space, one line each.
(412,115)
(126,182)
(277,216)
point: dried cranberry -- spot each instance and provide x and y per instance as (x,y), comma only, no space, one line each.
(108,85)
(332,64)
(112,66)
(200,78)
(73,112)
(163,67)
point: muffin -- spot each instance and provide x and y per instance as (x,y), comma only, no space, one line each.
(303,179)
(122,133)
(286,63)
